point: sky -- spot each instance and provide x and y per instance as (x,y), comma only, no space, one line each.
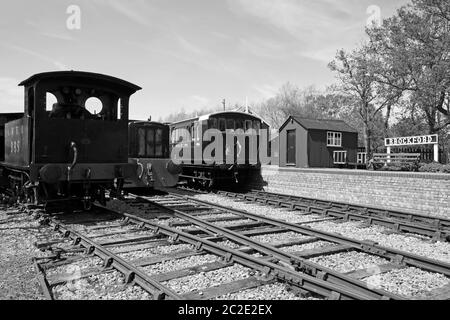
(186,54)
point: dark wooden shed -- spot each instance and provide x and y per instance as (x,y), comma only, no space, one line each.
(317,143)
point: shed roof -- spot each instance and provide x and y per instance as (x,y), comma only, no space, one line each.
(321,124)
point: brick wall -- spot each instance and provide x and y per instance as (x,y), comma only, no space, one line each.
(412,192)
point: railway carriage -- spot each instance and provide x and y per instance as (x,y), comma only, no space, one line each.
(69,153)
(149,153)
(198,172)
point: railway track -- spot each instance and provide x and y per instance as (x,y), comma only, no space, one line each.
(434,227)
(133,231)
(143,231)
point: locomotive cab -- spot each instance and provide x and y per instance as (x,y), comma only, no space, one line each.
(149,152)
(64,151)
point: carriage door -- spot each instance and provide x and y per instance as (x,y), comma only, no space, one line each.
(291,147)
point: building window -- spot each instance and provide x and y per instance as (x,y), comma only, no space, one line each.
(340,157)
(334,139)
(362,157)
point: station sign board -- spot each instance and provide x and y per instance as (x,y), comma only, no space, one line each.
(409,141)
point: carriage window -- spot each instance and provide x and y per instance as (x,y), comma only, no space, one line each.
(198,132)
(230,124)
(150,143)
(222,124)
(141,139)
(159,143)
(194,133)
(239,124)
(248,124)
(256,125)
(212,123)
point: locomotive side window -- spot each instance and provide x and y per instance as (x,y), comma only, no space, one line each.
(50,101)
(150,143)
(159,143)
(222,124)
(31,102)
(141,142)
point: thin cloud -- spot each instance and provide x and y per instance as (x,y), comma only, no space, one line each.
(137,10)
(11,95)
(267,91)
(58,64)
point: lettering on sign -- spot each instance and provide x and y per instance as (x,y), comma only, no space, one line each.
(408,141)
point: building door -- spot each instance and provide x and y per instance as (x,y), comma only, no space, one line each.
(291,147)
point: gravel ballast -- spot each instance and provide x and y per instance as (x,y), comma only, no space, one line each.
(409,282)
(106,286)
(208,279)
(18,278)
(349,261)
(307,246)
(274,238)
(414,244)
(179,264)
(264,211)
(275,291)
(134,255)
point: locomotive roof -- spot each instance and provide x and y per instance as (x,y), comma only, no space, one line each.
(215,114)
(80,75)
(147,122)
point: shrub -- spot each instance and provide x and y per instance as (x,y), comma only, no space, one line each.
(434,167)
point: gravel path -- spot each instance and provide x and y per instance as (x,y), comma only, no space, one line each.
(208,279)
(18,278)
(106,286)
(409,282)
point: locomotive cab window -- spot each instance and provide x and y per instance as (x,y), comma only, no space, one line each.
(150,143)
